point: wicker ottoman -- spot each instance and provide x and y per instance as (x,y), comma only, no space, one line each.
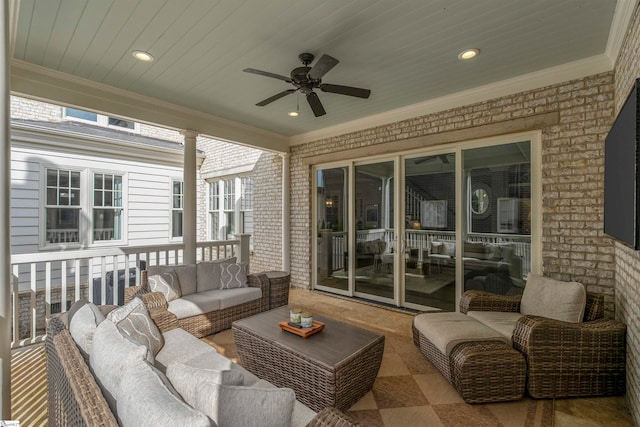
(487,371)
(473,357)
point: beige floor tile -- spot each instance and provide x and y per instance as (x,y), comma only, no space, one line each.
(392,365)
(367,402)
(605,411)
(509,413)
(416,416)
(437,389)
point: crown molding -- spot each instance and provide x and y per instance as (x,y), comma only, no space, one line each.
(48,85)
(619,26)
(549,76)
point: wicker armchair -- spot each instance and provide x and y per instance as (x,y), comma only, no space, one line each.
(564,359)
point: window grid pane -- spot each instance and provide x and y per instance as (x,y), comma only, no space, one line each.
(246,201)
(229,194)
(214,199)
(107,202)
(177,189)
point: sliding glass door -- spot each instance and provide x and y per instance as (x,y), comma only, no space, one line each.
(430,231)
(417,229)
(374,259)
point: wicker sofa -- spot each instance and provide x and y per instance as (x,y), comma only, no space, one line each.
(563,359)
(202,308)
(76,399)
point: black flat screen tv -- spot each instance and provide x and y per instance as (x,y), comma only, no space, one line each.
(621,174)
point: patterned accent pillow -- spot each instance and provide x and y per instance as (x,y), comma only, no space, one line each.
(167,283)
(134,322)
(233,276)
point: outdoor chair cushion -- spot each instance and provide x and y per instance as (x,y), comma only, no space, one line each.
(167,283)
(110,355)
(175,341)
(144,399)
(187,278)
(231,406)
(232,276)
(446,330)
(82,325)
(133,320)
(188,380)
(502,322)
(208,273)
(554,299)
(195,304)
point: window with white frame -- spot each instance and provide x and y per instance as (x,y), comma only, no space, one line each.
(214,210)
(229,227)
(107,207)
(177,204)
(62,206)
(100,120)
(230,207)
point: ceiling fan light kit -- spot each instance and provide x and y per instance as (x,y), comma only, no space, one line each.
(306,79)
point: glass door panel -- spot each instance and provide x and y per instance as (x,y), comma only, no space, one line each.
(332,241)
(373,261)
(430,231)
(497,247)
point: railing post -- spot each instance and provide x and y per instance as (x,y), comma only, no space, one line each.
(244,252)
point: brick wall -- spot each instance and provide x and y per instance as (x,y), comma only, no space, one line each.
(29,109)
(627,276)
(574,245)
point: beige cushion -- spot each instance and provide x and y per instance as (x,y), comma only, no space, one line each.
(302,415)
(502,322)
(232,276)
(208,273)
(175,343)
(232,297)
(231,406)
(82,325)
(167,283)
(145,400)
(110,355)
(194,304)
(188,380)
(187,278)
(554,299)
(133,319)
(449,248)
(446,330)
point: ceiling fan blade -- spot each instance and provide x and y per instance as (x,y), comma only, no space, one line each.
(346,90)
(267,74)
(275,97)
(322,67)
(315,104)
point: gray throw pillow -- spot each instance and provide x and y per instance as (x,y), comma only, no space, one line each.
(208,273)
(133,320)
(187,278)
(167,283)
(231,406)
(188,380)
(232,276)
(143,399)
(554,299)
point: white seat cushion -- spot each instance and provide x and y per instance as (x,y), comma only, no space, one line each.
(502,322)
(195,304)
(237,296)
(175,343)
(446,330)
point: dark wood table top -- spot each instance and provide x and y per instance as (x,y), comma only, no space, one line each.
(331,346)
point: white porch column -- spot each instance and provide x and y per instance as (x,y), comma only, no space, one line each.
(5,194)
(286,209)
(190,201)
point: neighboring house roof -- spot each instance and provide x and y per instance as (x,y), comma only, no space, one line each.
(102,132)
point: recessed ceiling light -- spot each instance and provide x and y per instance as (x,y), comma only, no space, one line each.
(468,54)
(142,55)
(293,114)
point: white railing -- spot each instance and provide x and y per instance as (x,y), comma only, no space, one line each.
(45,280)
(420,240)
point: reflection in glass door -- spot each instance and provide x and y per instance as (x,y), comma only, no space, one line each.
(332,227)
(430,231)
(373,261)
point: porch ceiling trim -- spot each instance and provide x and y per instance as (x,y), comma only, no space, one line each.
(36,82)
(510,126)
